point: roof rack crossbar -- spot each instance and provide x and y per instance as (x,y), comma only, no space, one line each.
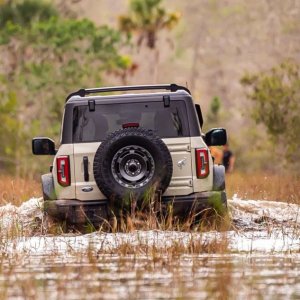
(169,87)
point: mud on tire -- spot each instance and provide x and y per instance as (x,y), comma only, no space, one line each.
(129,163)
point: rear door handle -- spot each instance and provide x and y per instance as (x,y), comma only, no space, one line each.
(86,168)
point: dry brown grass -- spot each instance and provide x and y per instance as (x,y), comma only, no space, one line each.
(195,246)
(17,190)
(150,219)
(260,186)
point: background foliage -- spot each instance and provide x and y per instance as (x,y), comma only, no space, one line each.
(276,104)
(46,57)
(245,77)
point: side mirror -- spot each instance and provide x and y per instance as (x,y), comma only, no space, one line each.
(43,146)
(216,137)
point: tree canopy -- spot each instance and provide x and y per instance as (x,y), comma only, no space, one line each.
(275,95)
(47,57)
(25,13)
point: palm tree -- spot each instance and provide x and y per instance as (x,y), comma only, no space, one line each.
(147,18)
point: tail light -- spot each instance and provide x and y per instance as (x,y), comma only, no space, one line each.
(202,163)
(63,170)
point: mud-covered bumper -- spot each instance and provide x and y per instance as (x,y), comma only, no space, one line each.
(78,212)
(196,202)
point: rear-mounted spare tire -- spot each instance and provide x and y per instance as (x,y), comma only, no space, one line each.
(131,162)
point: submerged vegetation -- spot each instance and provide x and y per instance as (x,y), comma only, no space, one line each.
(152,275)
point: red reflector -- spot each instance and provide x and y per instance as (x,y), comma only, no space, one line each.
(128,125)
(202,163)
(63,170)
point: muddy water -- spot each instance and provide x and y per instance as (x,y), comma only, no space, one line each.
(186,277)
(261,260)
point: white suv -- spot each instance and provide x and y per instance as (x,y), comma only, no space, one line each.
(115,148)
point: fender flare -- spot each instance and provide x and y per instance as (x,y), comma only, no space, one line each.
(219,178)
(48,187)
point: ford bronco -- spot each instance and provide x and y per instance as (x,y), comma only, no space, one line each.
(117,147)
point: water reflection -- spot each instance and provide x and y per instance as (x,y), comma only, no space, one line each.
(146,277)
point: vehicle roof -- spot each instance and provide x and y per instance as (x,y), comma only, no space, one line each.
(129,97)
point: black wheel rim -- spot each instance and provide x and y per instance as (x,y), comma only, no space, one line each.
(132,166)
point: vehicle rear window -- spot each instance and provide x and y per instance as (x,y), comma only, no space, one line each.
(92,126)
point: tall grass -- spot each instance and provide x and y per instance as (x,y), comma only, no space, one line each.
(264,186)
(17,190)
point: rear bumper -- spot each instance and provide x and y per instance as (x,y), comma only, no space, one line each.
(183,205)
(78,212)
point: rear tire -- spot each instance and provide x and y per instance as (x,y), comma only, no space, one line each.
(129,164)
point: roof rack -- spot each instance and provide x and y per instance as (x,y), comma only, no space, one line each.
(169,87)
